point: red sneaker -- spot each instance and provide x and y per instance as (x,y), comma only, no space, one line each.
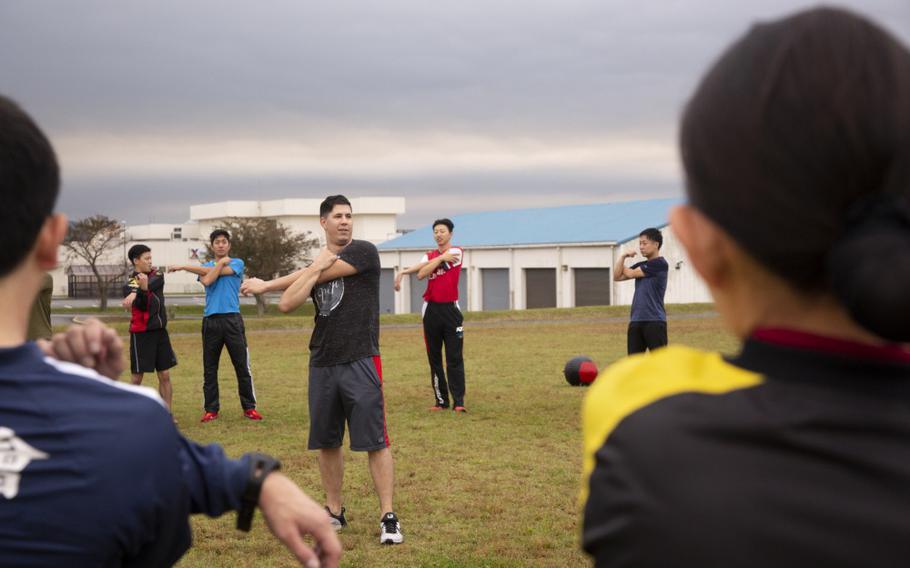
(252,414)
(436,407)
(460,409)
(209,416)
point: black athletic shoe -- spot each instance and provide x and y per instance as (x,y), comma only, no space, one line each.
(338,521)
(390,530)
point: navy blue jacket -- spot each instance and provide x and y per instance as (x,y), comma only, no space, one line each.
(94,473)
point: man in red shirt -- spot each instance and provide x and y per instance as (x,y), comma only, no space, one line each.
(442,319)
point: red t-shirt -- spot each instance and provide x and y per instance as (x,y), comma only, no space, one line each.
(442,285)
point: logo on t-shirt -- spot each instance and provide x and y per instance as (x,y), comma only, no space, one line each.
(445,266)
(15,455)
(328,295)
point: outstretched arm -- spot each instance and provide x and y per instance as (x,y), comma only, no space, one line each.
(194,269)
(408,270)
(260,286)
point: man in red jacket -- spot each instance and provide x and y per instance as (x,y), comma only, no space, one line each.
(150,345)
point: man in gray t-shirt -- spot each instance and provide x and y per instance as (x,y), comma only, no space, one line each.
(648,325)
(347,310)
(345,378)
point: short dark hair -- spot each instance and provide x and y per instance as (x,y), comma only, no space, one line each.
(29,183)
(330,202)
(136,251)
(447,222)
(797,144)
(653,234)
(219,233)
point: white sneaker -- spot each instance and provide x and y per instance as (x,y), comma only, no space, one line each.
(390,530)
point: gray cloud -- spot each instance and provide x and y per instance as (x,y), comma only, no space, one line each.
(173,103)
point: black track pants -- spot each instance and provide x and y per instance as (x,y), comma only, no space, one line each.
(442,325)
(217,331)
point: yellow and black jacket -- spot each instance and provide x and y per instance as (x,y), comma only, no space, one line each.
(794,453)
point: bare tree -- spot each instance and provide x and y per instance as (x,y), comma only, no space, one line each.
(94,240)
(267,248)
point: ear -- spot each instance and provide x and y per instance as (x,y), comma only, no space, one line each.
(707,245)
(49,238)
(322,221)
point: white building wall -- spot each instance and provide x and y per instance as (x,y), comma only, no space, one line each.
(683,284)
(375,227)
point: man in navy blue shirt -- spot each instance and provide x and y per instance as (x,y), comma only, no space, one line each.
(648,325)
(93,472)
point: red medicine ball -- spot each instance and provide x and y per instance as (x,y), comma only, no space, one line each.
(580,371)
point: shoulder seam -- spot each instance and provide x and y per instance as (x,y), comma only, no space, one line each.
(79,371)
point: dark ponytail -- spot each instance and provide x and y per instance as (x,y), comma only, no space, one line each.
(869,266)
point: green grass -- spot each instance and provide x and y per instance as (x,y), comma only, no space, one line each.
(188,316)
(494,488)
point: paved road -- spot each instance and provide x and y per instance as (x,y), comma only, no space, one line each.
(173,300)
(71,303)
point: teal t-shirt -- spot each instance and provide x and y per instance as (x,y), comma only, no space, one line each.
(223,296)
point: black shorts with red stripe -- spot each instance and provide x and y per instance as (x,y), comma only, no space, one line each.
(352,393)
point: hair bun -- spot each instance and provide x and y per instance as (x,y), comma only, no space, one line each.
(869,267)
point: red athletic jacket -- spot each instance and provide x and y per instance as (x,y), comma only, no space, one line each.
(148,307)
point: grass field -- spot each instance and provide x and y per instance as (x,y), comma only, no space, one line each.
(496,487)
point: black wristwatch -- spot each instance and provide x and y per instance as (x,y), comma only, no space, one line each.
(260,466)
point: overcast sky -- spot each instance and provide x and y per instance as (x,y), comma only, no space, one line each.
(459,106)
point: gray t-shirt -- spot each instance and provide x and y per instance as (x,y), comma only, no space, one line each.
(347,310)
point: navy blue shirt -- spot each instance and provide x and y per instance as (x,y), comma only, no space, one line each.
(648,301)
(94,473)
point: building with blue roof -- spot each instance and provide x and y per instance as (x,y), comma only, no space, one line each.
(594,223)
(543,257)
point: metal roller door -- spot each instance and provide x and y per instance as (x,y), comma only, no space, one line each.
(592,286)
(540,287)
(386,291)
(495,283)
